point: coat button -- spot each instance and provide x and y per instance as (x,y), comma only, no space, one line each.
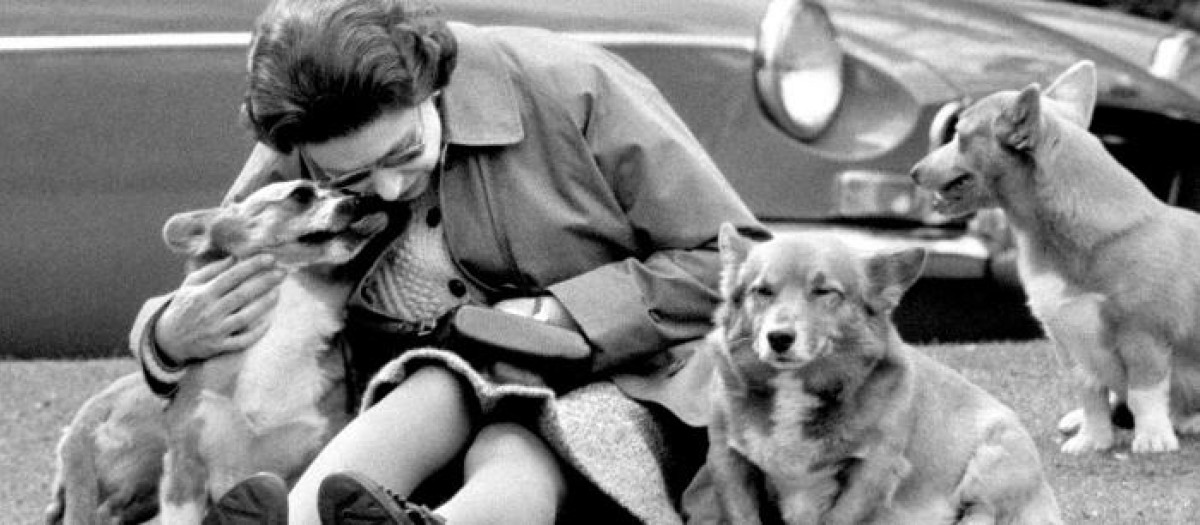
(457,287)
(433,218)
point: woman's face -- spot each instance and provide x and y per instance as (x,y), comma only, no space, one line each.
(391,156)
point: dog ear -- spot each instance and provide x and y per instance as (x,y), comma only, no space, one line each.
(734,247)
(733,244)
(890,274)
(1075,92)
(1017,124)
(187,232)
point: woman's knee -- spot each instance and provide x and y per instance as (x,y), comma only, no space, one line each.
(414,430)
(432,385)
(519,452)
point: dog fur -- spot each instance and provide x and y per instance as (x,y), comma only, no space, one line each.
(823,415)
(1111,272)
(128,454)
(109,459)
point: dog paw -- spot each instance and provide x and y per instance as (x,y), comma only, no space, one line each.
(1071,421)
(1085,442)
(1150,441)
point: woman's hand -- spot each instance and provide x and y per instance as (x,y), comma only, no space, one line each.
(219,308)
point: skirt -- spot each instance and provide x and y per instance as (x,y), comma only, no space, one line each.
(616,447)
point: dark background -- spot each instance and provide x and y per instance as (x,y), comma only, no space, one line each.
(1184,13)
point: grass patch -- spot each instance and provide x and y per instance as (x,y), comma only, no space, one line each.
(39,397)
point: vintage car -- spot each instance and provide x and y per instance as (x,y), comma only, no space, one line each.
(118,113)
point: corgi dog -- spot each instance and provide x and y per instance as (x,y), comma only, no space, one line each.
(1111,272)
(823,415)
(270,408)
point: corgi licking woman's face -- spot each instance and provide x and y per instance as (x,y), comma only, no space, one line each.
(295,221)
(797,300)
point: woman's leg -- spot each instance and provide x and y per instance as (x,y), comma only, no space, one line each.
(405,437)
(510,476)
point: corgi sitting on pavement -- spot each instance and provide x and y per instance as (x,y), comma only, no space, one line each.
(823,415)
(269,408)
(1112,273)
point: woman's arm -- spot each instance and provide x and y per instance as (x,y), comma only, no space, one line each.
(675,198)
(217,308)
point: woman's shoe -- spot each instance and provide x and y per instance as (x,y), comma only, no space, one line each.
(260,499)
(350,498)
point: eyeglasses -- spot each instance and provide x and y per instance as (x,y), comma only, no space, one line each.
(396,158)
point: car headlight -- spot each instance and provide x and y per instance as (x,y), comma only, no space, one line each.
(1177,58)
(798,67)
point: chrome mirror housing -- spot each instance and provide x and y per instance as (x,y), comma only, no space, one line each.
(799,67)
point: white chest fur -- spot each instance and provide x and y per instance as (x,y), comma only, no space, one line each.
(1071,315)
(281,375)
(1048,290)
(785,454)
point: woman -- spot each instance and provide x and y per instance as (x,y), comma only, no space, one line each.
(543,177)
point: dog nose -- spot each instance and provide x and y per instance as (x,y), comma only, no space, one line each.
(360,205)
(781,340)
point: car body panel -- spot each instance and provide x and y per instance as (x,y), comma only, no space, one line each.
(978,48)
(1129,37)
(100,158)
(1137,40)
(118,113)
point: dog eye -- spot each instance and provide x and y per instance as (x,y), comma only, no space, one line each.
(762,291)
(303,195)
(826,291)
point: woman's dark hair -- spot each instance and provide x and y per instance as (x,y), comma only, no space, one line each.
(322,69)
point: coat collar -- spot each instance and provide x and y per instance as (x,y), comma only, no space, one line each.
(479,104)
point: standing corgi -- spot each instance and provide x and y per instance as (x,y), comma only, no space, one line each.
(1112,273)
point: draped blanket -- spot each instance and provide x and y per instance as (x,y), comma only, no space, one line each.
(616,445)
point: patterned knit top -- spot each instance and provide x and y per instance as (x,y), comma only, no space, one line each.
(416,280)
